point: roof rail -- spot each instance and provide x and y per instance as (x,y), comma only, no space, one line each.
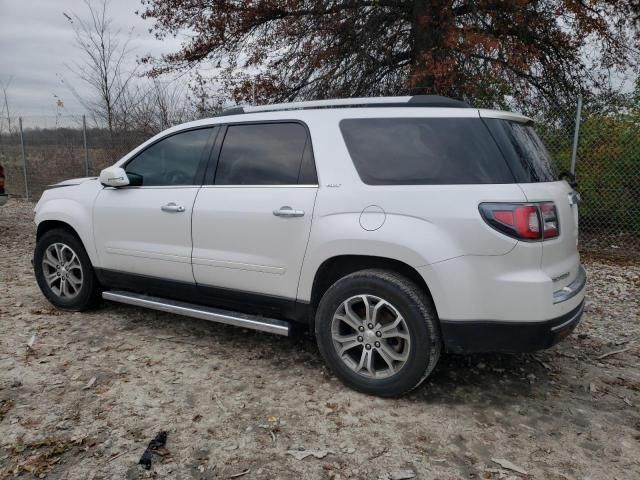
(414,101)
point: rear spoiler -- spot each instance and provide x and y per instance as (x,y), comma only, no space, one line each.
(515,117)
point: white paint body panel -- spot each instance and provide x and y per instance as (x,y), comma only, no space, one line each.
(72,205)
(472,271)
(238,242)
(559,255)
(509,288)
(133,234)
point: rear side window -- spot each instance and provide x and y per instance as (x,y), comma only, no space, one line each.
(265,154)
(523,150)
(424,151)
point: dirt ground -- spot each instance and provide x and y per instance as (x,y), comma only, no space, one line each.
(234,401)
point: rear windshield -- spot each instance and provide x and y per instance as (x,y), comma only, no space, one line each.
(524,151)
(443,151)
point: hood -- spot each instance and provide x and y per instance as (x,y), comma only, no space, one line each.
(72,181)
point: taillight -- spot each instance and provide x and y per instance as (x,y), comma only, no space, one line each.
(550,223)
(1,177)
(525,221)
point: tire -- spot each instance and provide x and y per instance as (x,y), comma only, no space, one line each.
(398,359)
(76,296)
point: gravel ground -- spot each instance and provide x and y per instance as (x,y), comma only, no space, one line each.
(235,402)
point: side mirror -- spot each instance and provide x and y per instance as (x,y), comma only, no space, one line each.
(114,177)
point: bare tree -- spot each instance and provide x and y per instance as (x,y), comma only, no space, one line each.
(103,64)
(202,101)
(5,105)
(169,104)
(154,107)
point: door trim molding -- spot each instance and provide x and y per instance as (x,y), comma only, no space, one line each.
(147,255)
(251,267)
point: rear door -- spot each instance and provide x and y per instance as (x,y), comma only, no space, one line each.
(252,222)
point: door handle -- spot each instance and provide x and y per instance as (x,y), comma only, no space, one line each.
(288,212)
(172,207)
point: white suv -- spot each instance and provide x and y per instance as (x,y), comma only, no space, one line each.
(391,227)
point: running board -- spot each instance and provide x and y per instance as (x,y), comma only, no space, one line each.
(237,319)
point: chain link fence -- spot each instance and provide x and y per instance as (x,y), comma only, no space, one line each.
(40,151)
(607,168)
(37,151)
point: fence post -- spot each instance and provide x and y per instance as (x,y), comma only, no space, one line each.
(24,161)
(253,91)
(576,135)
(84,139)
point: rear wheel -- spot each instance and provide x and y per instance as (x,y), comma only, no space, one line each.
(378,332)
(64,272)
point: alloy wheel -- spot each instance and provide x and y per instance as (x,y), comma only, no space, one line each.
(370,336)
(62,270)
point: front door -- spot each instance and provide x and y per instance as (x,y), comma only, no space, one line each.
(252,223)
(146,229)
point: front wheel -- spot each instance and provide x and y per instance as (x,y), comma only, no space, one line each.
(378,332)
(64,272)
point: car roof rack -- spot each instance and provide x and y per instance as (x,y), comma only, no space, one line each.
(412,101)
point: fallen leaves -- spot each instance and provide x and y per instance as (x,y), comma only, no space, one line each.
(240,474)
(40,456)
(272,426)
(400,474)
(90,383)
(317,453)
(506,464)
(614,352)
(5,406)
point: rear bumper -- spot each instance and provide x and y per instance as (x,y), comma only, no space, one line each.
(467,336)
(573,289)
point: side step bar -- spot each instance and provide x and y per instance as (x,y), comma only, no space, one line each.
(255,322)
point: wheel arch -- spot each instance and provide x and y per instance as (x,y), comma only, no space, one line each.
(73,219)
(334,268)
(48,225)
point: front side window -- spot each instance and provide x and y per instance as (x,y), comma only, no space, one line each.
(172,161)
(424,151)
(265,154)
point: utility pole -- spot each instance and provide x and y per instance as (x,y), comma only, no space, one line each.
(86,152)
(576,135)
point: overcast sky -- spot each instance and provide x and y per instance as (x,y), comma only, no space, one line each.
(36,41)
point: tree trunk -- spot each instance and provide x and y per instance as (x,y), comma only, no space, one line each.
(431,21)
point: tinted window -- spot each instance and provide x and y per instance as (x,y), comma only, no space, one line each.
(423,151)
(263,154)
(173,160)
(523,149)
(308,174)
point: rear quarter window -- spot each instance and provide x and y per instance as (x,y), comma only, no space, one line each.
(424,151)
(523,150)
